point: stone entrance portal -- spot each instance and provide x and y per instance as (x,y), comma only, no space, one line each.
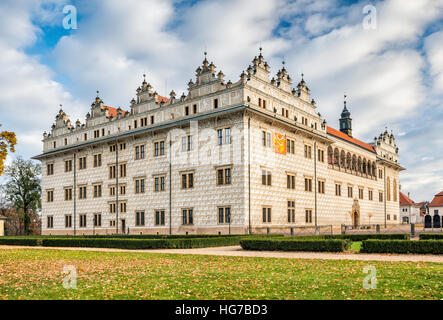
(355,213)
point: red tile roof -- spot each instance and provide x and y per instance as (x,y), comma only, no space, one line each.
(437,201)
(405,200)
(344,136)
(162,99)
(112,112)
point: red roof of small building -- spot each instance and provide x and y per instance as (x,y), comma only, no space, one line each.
(437,201)
(405,200)
(344,136)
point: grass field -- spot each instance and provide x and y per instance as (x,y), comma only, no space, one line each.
(37,274)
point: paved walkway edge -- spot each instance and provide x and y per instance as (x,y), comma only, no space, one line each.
(237,251)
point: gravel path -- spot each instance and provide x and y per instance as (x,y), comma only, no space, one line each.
(237,251)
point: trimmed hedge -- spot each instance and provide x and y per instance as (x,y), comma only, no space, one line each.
(20,241)
(141,243)
(359,237)
(431,236)
(402,246)
(331,245)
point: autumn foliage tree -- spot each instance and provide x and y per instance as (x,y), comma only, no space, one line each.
(23,190)
(7,142)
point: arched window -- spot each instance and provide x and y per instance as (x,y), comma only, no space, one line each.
(330,155)
(354,163)
(359,164)
(388,189)
(342,159)
(336,156)
(369,168)
(348,161)
(374,170)
(364,165)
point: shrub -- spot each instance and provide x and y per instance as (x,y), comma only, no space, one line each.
(358,237)
(330,245)
(431,236)
(402,246)
(141,243)
(20,241)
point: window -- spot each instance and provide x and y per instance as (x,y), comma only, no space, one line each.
(139,152)
(266,139)
(308,184)
(223,176)
(321,187)
(140,186)
(360,193)
(321,155)
(97,160)
(224,215)
(188,218)
(395,217)
(97,191)
(338,189)
(112,223)
(194,107)
(152,119)
(264,103)
(290,181)
(85,136)
(370,195)
(143,122)
(388,217)
(308,216)
(123,190)
(68,221)
(224,136)
(97,220)
(187,111)
(123,170)
(82,220)
(350,193)
(68,194)
(54,144)
(66,141)
(135,124)
(112,191)
(266,178)
(266,214)
(82,192)
(388,189)
(140,218)
(380,173)
(68,165)
(159,148)
(285,112)
(187,180)
(291,211)
(308,152)
(290,146)
(123,207)
(50,169)
(50,196)
(112,208)
(122,146)
(112,172)
(159,184)
(82,163)
(96,133)
(159,217)
(112,148)
(50,222)
(259,102)
(215,103)
(186,143)
(380,196)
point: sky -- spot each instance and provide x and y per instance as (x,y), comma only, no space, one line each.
(390,67)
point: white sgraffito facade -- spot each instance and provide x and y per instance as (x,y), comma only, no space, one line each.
(245,129)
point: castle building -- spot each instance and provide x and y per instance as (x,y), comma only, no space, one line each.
(224,158)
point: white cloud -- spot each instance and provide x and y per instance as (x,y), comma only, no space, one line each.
(434,52)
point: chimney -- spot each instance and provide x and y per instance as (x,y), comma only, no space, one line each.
(409,194)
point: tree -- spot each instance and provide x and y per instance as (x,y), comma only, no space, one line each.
(7,141)
(23,190)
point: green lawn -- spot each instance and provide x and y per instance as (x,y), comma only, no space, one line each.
(37,274)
